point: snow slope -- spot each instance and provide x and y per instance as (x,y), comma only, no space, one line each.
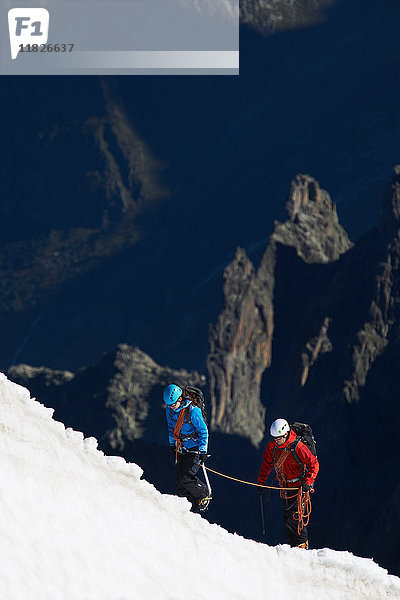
(78,525)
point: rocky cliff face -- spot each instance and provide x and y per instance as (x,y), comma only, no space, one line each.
(276,15)
(117,400)
(313,227)
(241,341)
(240,350)
(383,312)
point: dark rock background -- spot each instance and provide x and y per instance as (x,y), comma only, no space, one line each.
(122,204)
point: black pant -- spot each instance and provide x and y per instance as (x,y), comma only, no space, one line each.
(188,485)
(289,507)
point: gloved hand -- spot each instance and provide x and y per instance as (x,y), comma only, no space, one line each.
(259,490)
(305,486)
(203,457)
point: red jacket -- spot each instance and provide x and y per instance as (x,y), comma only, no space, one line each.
(290,468)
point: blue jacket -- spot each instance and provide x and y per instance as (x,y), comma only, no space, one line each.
(197,429)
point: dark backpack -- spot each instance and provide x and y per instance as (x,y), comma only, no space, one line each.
(197,398)
(304,434)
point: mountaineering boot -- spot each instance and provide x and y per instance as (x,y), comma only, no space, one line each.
(204,503)
(303,545)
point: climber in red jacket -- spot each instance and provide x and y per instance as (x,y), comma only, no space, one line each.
(295,466)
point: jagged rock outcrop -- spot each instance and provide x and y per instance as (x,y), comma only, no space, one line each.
(391,207)
(42,376)
(314,348)
(118,399)
(241,341)
(313,227)
(373,337)
(269,16)
(240,350)
(136,389)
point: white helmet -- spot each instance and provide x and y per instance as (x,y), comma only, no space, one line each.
(279,427)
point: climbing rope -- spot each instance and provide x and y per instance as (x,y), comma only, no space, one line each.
(303,498)
(303,510)
(280,476)
(281,460)
(270,487)
(177,433)
(302,515)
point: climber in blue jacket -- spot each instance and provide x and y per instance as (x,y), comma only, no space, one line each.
(188,439)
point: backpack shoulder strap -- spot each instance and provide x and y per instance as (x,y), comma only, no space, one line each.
(178,427)
(293,448)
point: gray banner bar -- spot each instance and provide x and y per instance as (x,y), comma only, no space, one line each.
(51,37)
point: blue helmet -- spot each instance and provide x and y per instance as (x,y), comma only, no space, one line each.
(172,393)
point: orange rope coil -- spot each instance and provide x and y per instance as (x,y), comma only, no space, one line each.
(303,510)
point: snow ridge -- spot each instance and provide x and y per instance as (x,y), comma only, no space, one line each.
(79,525)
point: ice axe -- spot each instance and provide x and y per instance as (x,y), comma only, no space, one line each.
(207,480)
(262,514)
(262,509)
